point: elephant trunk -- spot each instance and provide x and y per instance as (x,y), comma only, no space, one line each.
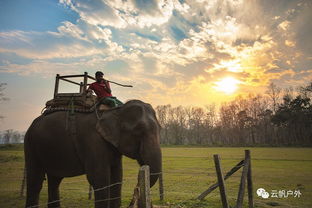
(150,154)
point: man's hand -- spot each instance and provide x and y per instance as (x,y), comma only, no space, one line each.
(107,88)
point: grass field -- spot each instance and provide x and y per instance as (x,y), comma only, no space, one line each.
(187,173)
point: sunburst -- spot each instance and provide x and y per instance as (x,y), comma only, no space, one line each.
(227,85)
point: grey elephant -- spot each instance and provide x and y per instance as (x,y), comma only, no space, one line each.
(93,147)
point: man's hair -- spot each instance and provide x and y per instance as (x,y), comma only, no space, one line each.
(99,73)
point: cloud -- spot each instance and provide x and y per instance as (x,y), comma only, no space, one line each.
(72,30)
(302,29)
(95,12)
(7,58)
(122,14)
(284,25)
(169,47)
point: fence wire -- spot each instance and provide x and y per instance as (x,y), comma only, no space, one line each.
(178,184)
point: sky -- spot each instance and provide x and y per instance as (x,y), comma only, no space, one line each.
(174,52)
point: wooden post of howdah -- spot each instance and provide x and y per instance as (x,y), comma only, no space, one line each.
(225,203)
(57,79)
(85,83)
(144,184)
(240,197)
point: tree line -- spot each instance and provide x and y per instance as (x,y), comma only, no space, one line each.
(278,117)
(11,136)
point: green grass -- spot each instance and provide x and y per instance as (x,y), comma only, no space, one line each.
(187,172)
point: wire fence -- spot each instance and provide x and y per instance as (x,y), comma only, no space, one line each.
(184,178)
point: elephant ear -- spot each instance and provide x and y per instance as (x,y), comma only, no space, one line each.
(107,127)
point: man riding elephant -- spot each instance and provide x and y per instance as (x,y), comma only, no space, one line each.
(103,91)
(60,145)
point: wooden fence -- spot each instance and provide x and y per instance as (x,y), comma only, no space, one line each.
(142,197)
(246,176)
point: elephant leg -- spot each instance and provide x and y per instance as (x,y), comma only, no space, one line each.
(53,190)
(115,190)
(100,181)
(34,179)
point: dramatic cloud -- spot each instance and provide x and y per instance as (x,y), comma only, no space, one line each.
(171,48)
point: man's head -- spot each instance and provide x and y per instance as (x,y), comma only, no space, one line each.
(99,76)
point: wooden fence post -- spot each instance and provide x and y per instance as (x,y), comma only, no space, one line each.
(249,182)
(161,187)
(225,203)
(23,183)
(241,191)
(227,175)
(144,185)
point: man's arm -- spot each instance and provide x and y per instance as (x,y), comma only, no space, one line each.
(90,89)
(107,86)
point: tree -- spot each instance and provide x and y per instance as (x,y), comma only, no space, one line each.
(2,95)
(306,91)
(274,93)
(7,136)
(247,120)
(294,116)
(162,112)
(177,124)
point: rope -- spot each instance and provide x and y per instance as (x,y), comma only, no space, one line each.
(97,114)
(46,203)
(69,108)
(110,199)
(170,188)
(105,187)
(156,173)
(94,190)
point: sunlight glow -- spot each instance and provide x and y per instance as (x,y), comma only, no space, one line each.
(232,66)
(227,85)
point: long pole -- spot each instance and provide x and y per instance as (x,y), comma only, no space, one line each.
(111,82)
(119,84)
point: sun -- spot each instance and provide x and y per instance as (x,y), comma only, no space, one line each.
(227,85)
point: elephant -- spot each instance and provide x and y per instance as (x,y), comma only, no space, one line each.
(93,145)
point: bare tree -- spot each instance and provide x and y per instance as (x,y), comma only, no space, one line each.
(196,124)
(162,112)
(211,115)
(247,120)
(7,136)
(177,124)
(2,95)
(274,93)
